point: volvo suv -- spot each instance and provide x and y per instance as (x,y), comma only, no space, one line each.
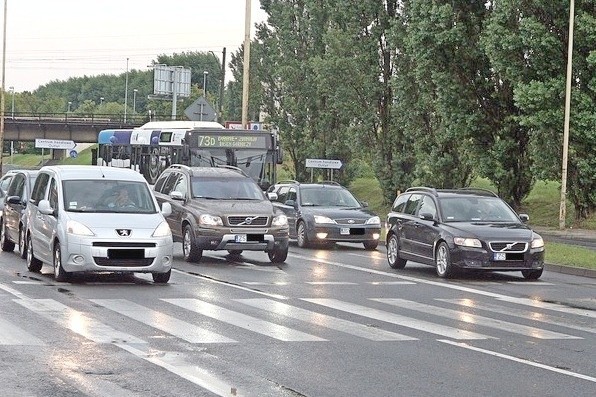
(221,208)
(457,229)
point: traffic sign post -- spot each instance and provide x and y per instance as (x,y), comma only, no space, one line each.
(55,144)
(323,163)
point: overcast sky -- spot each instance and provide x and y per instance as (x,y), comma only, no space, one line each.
(49,40)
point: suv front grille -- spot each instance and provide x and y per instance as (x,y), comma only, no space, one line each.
(505,246)
(248,220)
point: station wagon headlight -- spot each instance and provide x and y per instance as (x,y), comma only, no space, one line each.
(537,242)
(210,220)
(279,220)
(163,230)
(77,228)
(375,220)
(467,242)
(323,219)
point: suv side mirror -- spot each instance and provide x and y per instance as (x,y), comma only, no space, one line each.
(272,196)
(176,195)
(524,217)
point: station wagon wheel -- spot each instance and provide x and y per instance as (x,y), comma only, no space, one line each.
(278,255)
(301,237)
(33,264)
(59,273)
(5,243)
(22,245)
(371,245)
(161,278)
(532,274)
(189,246)
(395,262)
(443,261)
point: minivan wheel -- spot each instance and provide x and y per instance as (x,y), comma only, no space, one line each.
(189,246)
(278,255)
(302,238)
(22,245)
(161,278)
(443,261)
(395,262)
(33,264)
(5,243)
(59,273)
(533,274)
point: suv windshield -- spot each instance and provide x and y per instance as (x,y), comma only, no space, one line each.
(476,209)
(117,196)
(328,197)
(226,189)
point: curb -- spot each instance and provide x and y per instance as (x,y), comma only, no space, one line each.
(574,271)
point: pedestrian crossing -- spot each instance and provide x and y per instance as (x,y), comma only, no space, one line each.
(198,321)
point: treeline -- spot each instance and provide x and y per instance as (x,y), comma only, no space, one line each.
(430,92)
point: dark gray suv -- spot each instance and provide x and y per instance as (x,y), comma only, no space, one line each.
(221,208)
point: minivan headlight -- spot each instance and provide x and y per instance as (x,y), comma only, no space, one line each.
(163,230)
(375,220)
(210,220)
(467,242)
(279,220)
(77,228)
(323,219)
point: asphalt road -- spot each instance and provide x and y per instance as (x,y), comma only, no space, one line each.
(326,323)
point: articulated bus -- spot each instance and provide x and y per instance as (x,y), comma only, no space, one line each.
(154,146)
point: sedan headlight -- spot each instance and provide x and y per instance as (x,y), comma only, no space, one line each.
(537,242)
(77,228)
(467,242)
(163,230)
(323,219)
(280,220)
(375,220)
(210,220)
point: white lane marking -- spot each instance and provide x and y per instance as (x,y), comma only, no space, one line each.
(249,323)
(180,329)
(265,283)
(10,334)
(274,296)
(324,320)
(475,319)
(391,283)
(521,301)
(520,360)
(76,321)
(532,284)
(393,318)
(24,282)
(526,314)
(330,283)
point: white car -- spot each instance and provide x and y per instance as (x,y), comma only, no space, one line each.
(78,221)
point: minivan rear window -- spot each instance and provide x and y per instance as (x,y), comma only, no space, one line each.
(107,196)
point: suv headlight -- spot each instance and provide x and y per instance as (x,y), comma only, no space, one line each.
(77,228)
(467,242)
(279,220)
(210,220)
(375,220)
(163,230)
(323,219)
(537,242)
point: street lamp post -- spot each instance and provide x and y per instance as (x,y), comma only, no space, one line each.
(101,101)
(68,109)
(205,73)
(134,101)
(126,91)
(12,106)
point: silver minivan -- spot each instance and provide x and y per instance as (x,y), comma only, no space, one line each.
(97,219)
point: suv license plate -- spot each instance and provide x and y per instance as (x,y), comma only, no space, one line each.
(240,238)
(344,230)
(500,256)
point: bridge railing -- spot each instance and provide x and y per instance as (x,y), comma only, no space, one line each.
(67,118)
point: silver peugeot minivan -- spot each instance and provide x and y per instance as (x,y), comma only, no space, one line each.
(85,218)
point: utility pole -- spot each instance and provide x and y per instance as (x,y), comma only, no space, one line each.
(2,88)
(221,85)
(246,68)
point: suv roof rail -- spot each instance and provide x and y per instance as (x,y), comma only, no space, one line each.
(478,190)
(329,183)
(424,189)
(180,166)
(287,182)
(231,167)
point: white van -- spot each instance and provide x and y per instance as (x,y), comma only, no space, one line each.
(97,219)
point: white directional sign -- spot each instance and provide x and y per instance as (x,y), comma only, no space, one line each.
(323,163)
(55,144)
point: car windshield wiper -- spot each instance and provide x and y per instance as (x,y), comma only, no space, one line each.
(207,197)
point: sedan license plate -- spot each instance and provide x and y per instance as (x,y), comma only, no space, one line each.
(500,256)
(240,238)
(344,230)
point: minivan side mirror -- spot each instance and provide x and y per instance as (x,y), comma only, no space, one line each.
(166,209)
(44,207)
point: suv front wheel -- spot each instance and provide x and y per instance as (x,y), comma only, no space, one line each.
(191,252)
(278,255)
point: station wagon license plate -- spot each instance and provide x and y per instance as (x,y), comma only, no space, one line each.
(500,256)
(240,238)
(344,230)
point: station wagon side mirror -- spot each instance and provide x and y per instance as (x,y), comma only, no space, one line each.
(14,200)
(166,209)
(427,216)
(177,195)
(524,217)
(44,207)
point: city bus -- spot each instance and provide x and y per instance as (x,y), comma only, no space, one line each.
(154,146)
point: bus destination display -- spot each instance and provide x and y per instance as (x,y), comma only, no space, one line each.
(239,141)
